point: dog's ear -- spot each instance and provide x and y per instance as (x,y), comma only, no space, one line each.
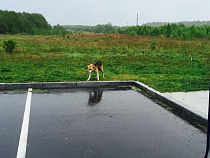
(89,66)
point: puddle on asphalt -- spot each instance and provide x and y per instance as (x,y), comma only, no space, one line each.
(12,105)
(108,123)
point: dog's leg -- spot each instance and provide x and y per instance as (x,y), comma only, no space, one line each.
(102,70)
(89,76)
(97,75)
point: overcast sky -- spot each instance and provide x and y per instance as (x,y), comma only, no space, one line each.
(117,12)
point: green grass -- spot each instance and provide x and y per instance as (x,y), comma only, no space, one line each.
(173,65)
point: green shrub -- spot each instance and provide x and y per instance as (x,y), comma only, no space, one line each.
(152,45)
(9,45)
(132,33)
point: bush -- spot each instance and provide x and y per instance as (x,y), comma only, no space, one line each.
(132,33)
(152,46)
(9,45)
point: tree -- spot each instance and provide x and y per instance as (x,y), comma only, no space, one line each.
(13,23)
(168,31)
(99,29)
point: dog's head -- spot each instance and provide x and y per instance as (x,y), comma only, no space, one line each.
(91,67)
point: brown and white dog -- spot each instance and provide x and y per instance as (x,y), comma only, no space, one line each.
(97,66)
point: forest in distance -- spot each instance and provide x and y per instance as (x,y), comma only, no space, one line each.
(35,24)
(169,30)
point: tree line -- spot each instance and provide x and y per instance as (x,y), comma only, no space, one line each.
(13,23)
(186,23)
(105,28)
(26,23)
(169,31)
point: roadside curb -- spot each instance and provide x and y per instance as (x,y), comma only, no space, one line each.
(186,112)
(53,85)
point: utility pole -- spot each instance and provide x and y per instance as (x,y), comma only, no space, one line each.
(137,20)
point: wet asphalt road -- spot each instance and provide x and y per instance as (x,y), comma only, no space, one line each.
(11,116)
(97,124)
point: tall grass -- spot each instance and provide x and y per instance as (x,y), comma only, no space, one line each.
(174,64)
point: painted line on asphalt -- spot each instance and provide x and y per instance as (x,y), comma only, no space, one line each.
(21,152)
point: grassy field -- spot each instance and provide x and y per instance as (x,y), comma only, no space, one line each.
(164,64)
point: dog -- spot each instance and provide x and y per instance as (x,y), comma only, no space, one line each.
(97,66)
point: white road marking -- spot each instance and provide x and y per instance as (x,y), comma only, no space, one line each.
(21,153)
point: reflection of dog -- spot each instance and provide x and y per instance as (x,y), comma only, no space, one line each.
(95,97)
(97,66)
